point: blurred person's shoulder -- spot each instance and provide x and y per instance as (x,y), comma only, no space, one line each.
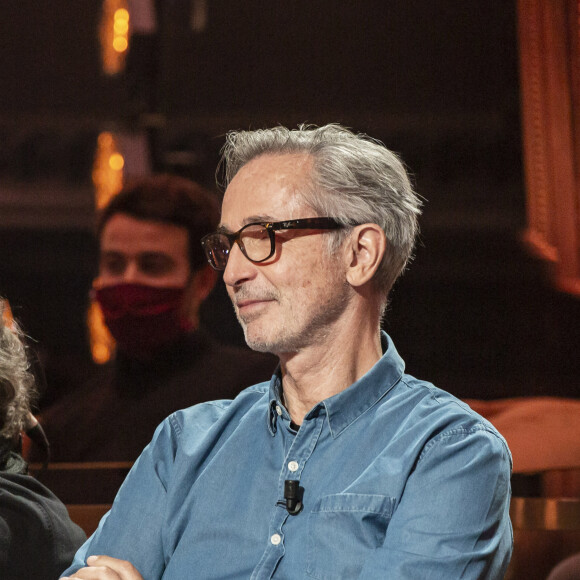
(242,362)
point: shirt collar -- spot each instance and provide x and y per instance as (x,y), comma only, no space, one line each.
(345,407)
(275,406)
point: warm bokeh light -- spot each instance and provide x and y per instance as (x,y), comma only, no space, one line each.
(121,27)
(121,30)
(121,15)
(107,169)
(105,138)
(107,181)
(6,313)
(101,342)
(120,44)
(114,34)
(116,162)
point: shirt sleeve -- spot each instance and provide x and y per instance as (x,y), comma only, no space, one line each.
(453,517)
(132,529)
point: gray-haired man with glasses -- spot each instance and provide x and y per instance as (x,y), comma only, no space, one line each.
(343,465)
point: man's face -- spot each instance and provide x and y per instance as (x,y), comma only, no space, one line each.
(293,299)
(134,251)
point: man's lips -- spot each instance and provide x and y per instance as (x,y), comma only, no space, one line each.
(245,304)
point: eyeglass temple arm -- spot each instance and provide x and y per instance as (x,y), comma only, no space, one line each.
(305,223)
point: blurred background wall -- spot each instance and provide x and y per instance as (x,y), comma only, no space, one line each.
(438,82)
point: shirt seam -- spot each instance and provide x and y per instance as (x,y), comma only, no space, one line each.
(479,426)
(354,510)
(174,424)
(458,431)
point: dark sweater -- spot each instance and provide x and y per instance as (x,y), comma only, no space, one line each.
(114,416)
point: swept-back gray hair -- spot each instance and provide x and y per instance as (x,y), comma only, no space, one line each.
(354,179)
(16,381)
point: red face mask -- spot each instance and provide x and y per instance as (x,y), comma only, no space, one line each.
(142,318)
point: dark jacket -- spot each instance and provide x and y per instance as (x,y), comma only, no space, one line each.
(37,537)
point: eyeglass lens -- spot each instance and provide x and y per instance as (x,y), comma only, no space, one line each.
(254,241)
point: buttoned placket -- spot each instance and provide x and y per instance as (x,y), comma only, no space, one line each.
(300,451)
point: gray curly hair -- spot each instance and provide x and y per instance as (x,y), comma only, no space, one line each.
(16,380)
(355,179)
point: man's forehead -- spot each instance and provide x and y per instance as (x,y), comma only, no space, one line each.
(295,208)
(125,230)
(268,188)
(249,219)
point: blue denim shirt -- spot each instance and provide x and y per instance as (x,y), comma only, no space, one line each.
(401,480)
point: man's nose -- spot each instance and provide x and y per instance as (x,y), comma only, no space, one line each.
(238,269)
(132,273)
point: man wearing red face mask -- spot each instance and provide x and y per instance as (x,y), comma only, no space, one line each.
(153,278)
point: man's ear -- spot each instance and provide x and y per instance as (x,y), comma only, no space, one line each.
(200,285)
(365,249)
(202,282)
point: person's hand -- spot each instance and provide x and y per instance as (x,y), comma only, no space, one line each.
(106,568)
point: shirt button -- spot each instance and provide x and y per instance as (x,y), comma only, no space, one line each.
(278,410)
(293,466)
(275,539)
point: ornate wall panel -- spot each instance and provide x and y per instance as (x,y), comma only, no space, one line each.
(549,60)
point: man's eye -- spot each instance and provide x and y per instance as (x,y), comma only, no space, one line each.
(112,265)
(155,264)
(255,233)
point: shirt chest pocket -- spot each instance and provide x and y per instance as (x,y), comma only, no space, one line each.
(342,531)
